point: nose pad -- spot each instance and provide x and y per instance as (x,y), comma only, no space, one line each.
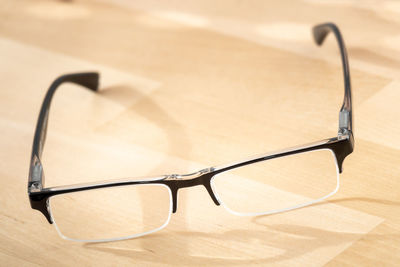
(174,192)
(207,185)
(174,186)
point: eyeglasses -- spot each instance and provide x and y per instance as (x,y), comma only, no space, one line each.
(275,182)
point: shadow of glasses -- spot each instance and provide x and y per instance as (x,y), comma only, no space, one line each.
(284,242)
(150,110)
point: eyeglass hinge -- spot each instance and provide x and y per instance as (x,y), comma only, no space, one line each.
(344,122)
(36,176)
(35,187)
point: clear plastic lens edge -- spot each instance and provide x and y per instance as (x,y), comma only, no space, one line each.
(118,238)
(284,209)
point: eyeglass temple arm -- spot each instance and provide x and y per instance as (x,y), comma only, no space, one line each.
(89,80)
(320,32)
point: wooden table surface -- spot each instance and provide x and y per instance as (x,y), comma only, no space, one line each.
(192,84)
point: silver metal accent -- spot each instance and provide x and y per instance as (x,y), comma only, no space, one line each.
(36,176)
(37,172)
(344,122)
(189,176)
(35,187)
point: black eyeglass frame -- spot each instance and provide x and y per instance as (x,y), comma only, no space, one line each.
(39,195)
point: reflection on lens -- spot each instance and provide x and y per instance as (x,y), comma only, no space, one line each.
(278,184)
(111,213)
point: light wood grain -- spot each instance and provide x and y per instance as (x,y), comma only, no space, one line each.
(187,85)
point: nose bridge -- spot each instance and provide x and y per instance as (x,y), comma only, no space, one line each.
(176,182)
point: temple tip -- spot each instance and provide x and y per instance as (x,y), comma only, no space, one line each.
(320,31)
(89,80)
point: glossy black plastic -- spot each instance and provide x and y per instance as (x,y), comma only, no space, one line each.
(341,146)
(346,112)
